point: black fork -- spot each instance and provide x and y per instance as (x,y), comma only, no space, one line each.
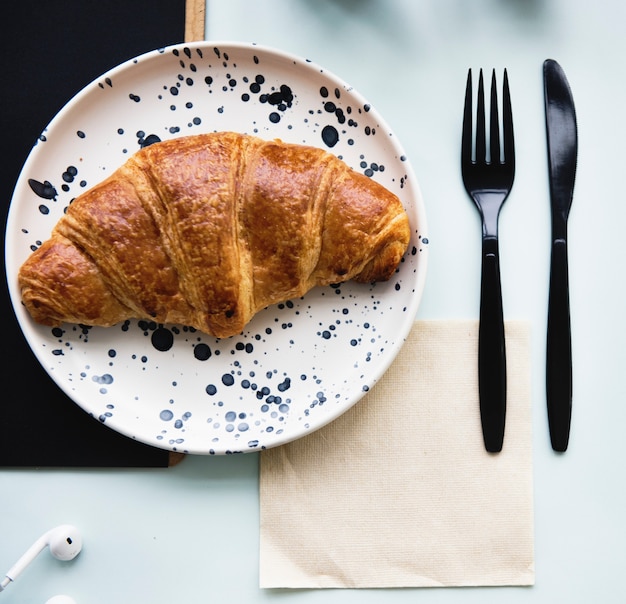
(488,175)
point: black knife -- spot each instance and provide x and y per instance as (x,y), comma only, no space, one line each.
(562,153)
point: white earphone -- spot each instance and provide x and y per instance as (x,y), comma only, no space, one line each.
(64,542)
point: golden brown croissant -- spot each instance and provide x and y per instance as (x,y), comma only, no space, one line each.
(207,230)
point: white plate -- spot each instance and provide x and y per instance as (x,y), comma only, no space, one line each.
(298,365)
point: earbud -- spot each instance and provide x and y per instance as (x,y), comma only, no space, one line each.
(64,542)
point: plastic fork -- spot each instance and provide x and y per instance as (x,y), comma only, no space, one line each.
(488,173)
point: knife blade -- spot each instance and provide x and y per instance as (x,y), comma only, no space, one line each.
(562,138)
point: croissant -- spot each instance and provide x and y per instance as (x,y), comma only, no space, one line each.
(207,230)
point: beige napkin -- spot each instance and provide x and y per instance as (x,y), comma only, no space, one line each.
(399,491)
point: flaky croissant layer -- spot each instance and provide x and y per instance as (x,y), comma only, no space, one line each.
(207,230)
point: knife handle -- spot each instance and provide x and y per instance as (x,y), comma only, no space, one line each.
(491,350)
(559,349)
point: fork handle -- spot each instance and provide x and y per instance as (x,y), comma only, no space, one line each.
(491,350)
(559,349)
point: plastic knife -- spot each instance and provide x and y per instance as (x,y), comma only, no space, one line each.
(562,135)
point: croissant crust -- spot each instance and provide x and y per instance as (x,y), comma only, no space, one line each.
(207,230)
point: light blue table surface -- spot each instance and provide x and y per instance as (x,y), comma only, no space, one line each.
(190,534)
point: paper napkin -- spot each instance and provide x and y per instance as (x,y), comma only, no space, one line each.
(399,491)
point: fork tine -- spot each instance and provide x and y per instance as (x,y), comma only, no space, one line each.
(466,140)
(494,123)
(507,123)
(481,144)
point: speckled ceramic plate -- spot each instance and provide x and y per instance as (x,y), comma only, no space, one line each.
(298,365)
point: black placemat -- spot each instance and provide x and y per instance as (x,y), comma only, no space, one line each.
(50,50)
